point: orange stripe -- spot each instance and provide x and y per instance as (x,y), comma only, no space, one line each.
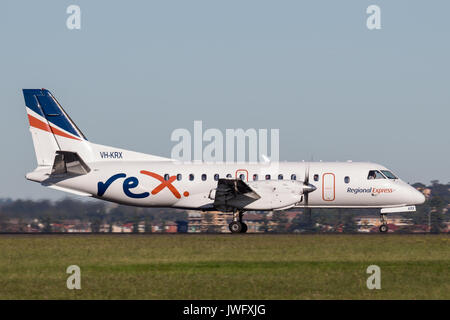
(36,123)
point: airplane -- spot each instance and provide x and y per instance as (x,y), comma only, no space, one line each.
(67,161)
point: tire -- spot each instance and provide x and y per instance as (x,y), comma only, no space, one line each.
(244,227)
(235,227)
(383,228)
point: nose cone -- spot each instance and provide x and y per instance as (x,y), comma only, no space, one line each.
(417,197)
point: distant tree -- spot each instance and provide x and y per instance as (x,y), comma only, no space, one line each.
(147,227)
(437,203)
(304,223)
(280,221)
(182,226)
(95,225)
(437,222)
(418,185)
(348,222)
(135,226)
(420,217)
(265,223)
(210,226)
(2,222)
(47,224)
(22,225)
(434,182)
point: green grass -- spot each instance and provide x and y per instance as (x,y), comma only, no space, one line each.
(225,266)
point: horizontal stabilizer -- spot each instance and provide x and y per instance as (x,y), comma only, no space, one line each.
(75,192)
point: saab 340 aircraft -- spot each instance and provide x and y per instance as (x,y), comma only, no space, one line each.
(67,161)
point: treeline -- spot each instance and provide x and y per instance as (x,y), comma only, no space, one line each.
(93,211)
(432,214)
(435,211)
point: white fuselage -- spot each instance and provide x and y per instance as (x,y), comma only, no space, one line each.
(189,185)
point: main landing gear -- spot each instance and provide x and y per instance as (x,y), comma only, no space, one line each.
(237,226)
(383,228)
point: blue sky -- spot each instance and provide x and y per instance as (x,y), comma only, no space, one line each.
(137,70)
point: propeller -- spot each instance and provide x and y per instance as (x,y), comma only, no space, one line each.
(307,188)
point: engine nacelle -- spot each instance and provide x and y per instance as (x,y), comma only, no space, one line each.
(275,194)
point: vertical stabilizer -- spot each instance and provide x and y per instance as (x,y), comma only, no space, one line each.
(51,128)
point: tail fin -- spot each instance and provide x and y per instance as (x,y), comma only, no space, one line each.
(54,133)
(51,128)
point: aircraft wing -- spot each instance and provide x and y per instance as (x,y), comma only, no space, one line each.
(233,193)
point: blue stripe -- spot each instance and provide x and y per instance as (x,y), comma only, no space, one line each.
(31,101)
(41,102)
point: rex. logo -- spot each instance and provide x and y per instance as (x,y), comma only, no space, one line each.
(132,182)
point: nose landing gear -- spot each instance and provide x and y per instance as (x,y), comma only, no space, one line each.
(237,226)
(383,227)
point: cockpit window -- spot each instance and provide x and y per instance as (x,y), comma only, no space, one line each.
(389,174)
(375,174)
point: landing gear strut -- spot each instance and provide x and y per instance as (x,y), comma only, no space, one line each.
(237,226)
(383,227)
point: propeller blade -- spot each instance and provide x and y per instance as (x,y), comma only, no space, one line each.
(307,188)
(308,213)
(306,180)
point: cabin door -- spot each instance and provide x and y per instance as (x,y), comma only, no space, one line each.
(328,186)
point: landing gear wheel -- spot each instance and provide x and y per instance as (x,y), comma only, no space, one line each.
(383,227)
(235,227)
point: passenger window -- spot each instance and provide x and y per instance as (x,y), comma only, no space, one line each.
(179,176)
(347,179)
(293,177)
(267,176)
(316,177)
(229,175)
(242,176)
(191,177)
(280,177)
(166,177)
(203,177)
(216,177)
(255,177)
(375,174)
